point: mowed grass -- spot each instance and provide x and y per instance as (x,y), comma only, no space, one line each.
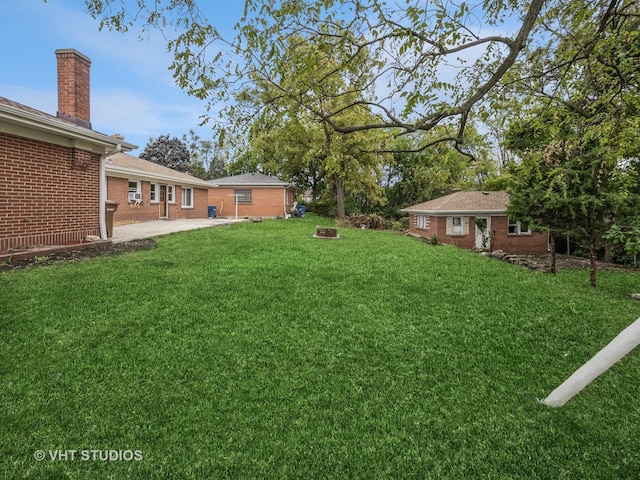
(257,351)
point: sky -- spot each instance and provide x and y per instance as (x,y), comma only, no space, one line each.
(132,90)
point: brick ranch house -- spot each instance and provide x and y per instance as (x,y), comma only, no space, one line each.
(147,191)
(257,195)
(474,220)
(52,183)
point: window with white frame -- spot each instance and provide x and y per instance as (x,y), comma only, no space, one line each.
(187,197)
(171,198)
(422,222)
(242,196)
(135,193)
(518,228)
(456,226)
(154,194)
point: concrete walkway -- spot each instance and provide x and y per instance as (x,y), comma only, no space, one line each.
(134,231)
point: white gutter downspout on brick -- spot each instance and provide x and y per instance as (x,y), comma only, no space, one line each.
(103,190)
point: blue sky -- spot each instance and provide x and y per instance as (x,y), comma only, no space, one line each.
(132,92)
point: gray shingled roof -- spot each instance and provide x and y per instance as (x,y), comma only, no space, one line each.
(122,164)
(249,179)
(463,203)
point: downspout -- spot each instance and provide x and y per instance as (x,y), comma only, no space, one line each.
(103,190)
(284,203)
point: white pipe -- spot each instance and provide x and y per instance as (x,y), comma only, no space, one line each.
(626,341)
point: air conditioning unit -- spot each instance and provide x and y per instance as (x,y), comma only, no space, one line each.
(135,196)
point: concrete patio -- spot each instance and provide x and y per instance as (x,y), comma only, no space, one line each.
(134,231)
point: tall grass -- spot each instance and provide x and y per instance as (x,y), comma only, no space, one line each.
(257,351)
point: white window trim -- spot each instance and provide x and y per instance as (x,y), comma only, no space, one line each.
(422,222)
(171,194)
(191,197)
(518,228)
(457,230)
(154,198)
(137,195)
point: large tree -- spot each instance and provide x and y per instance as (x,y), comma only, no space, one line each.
(411,46)
(170,152)
(293,139)
(578,113)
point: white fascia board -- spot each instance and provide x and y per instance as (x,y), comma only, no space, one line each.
(121,172)
(31,125)
(454,213)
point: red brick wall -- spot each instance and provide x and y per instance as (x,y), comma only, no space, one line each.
(265,202)
(501,240)
(73,84)
(118,190)
(524,244)
(48,194)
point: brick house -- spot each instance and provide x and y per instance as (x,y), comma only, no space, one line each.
(52,188)
(474,220)
(147,191)
(254,195)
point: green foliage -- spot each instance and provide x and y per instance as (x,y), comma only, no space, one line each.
(169,152)
(209,158)
(628,237)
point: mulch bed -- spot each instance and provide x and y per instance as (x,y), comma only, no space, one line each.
(74,255)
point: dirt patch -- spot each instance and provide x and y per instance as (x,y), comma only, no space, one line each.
(75,255)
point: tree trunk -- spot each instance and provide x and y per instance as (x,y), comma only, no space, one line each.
(340,198)
(553,253)
(592,260)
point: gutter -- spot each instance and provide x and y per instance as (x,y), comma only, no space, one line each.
(53,125)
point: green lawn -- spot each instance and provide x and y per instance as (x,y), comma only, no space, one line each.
(257,351)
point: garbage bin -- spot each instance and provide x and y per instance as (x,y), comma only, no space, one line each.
(110,206)
(212,211)
(302,209)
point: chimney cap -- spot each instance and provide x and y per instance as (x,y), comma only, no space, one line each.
(62,51)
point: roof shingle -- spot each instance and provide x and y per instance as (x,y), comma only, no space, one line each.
(464,203)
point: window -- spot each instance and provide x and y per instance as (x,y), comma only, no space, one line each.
(422,222)
(170,196)
(456,226)
(153,196)
(187,197)
(242,196)
(134,191)
(517,228)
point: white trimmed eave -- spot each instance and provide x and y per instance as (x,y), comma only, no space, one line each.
(249,185)
(454,213)
(122,172)
(15,121)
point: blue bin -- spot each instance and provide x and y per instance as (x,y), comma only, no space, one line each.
(302,209)
(212,211)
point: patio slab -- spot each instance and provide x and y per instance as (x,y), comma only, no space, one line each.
(135,231)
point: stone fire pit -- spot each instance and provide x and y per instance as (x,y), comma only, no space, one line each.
(328,233)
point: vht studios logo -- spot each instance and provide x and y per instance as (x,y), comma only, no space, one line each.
(88,455)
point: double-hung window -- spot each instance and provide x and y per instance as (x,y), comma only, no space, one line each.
(154,194)
(456,226)
(187,197)
(422,222)
(170,194)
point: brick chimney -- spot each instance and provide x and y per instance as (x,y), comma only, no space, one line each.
(73,87)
